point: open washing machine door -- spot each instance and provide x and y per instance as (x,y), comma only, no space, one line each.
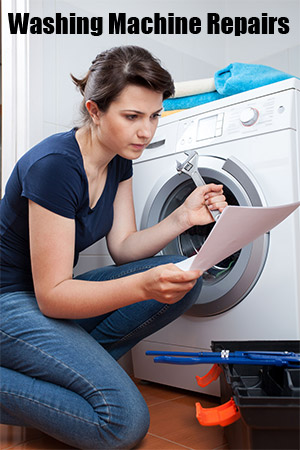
(228,282)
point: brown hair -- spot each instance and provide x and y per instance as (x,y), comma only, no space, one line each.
(112,70)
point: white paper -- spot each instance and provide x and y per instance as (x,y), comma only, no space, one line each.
(236,227)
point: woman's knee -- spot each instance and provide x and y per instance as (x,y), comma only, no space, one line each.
(136,422)
(128,422)
(190,297)
(166,259)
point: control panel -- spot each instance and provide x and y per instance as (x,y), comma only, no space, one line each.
(260,115)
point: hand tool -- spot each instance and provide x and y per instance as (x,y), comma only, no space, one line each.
(282,359)
(190,167)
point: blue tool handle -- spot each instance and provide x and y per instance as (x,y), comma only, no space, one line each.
(240,360)
(158,353)
(290,357)
(181,361)
(198,354)
(280,354)
(247,354)
(283,359)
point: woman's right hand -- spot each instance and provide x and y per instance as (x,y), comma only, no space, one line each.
(168,283)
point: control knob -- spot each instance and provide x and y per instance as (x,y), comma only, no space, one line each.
(249,116)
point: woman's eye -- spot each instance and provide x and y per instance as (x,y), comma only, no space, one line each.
(135,116)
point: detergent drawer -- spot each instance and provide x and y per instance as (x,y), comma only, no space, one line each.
(268,398)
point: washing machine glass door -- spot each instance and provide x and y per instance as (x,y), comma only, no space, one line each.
(228,282)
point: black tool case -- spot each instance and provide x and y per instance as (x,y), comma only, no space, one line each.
(268,398)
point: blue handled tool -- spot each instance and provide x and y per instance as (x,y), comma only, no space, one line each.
(281,359)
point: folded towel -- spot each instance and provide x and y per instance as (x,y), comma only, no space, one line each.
(239,77)
(233,79)
(193,87)
(190,101)
(168,113)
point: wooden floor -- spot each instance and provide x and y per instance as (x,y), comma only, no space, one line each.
(173,425)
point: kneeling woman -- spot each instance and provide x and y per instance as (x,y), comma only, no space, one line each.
(61,336)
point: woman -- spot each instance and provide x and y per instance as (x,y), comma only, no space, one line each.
(66,193)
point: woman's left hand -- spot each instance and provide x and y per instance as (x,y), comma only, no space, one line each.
(196,207)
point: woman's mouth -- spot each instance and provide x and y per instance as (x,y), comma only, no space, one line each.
(139,146)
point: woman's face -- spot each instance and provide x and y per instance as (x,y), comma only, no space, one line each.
(127,127)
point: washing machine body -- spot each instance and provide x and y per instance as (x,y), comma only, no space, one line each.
(249,143)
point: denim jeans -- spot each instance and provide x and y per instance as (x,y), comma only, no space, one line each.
(62,376)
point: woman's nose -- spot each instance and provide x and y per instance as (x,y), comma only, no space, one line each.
(145,130)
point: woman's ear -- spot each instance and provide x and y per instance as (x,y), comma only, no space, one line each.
(93,111)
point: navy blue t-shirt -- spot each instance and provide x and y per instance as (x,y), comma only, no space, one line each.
(52,174)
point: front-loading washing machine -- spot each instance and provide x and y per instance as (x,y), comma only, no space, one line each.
(249,143)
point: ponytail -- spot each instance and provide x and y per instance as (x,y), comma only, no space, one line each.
(80,83)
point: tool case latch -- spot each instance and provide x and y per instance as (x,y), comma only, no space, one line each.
(223,415)
(211,376)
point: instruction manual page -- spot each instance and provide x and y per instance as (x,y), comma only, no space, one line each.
(236,227)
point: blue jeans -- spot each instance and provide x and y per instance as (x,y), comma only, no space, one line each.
(57,378)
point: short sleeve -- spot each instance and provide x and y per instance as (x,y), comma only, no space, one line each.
(54,182)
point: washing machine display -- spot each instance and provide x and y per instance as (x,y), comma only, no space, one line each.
(249,143)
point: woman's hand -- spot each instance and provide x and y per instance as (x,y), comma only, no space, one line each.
(195,209)
(168,283)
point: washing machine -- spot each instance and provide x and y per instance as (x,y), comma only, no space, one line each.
(249,143)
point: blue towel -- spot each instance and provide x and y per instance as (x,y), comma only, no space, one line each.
(192,100)
(233,79)
(238,77)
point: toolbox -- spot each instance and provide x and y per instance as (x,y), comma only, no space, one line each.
(268,398)
(260,391)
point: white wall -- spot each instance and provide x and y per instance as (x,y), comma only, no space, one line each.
(39,98)
(185,56)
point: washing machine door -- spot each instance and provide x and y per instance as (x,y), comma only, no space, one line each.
(229,281)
